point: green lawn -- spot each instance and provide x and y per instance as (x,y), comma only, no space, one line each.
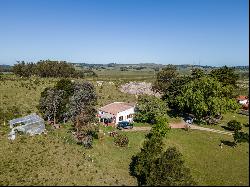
(55,159)
(210,164)
(243,119)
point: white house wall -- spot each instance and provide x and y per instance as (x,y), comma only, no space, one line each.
(243,102)
(124,114)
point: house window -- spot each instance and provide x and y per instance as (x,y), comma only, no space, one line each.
(120,118)
(130,116)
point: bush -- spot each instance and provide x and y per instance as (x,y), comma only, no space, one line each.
(234,125)
(240,137)
(121,140)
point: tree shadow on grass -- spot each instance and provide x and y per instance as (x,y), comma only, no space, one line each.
(228,143)
(226,128)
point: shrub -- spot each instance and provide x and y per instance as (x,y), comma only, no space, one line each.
(240,137)
(121,140)
(234,125)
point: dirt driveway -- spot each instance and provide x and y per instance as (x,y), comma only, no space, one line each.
(172,125)
(181,125)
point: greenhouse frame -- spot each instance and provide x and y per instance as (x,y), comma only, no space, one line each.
(31,124)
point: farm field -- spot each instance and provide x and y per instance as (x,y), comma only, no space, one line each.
(56,159)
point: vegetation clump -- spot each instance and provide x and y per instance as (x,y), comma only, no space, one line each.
(234,125)
(121,140)
(203,95)
(153,166)
(75,101)
(48,68)
(149,108)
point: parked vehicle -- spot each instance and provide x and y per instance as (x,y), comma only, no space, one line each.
(124,125)
(189,120)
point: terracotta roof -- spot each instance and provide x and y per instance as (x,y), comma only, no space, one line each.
(114,108)
(242,97)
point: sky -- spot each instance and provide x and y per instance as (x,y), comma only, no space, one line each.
(205,32)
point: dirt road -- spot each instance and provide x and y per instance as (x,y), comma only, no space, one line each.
(181,126)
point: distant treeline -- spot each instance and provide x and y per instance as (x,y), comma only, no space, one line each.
(150,65)
(48,68)
(5,68)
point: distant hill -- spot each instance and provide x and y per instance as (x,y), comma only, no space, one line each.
(138,66)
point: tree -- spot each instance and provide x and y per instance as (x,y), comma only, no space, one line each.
(169,170)
(85,129)
(197,73)
(164,78)
(50,102)
(225,75)
(205,97)
(174,90)
(68,87)
(148,108)
(48,68)
(83,113)
(83,99)
(141,163)
(234,125)
(152,166)
(161,126)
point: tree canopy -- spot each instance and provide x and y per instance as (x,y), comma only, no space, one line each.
(200,94)
(48,68)
(148,108)
(165,78)
(226,75)
(205,97)
(154,167)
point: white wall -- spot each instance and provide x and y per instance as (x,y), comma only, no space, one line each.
(243,102)
(124,114)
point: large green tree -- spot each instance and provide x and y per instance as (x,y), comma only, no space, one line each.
(225,75)
(50,103)
(141,163)
(154,167)
(169,170)
(148,108)
(205,97)
(83,112)
(164,78)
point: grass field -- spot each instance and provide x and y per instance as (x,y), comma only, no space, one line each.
(243,119)
(55,159)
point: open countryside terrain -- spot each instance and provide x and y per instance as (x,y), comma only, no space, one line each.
(56,159)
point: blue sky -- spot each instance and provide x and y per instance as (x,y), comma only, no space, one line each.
(209,32)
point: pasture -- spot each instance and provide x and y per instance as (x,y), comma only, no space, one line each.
(56,159)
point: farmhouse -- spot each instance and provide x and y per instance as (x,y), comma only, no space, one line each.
(115,112)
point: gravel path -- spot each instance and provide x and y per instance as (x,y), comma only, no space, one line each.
(181,126)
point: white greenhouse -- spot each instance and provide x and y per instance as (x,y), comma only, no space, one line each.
(31,124)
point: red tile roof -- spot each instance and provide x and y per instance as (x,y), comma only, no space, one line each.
(114,108)
(242,97)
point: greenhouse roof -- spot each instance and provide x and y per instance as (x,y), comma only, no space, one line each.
(32,118)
